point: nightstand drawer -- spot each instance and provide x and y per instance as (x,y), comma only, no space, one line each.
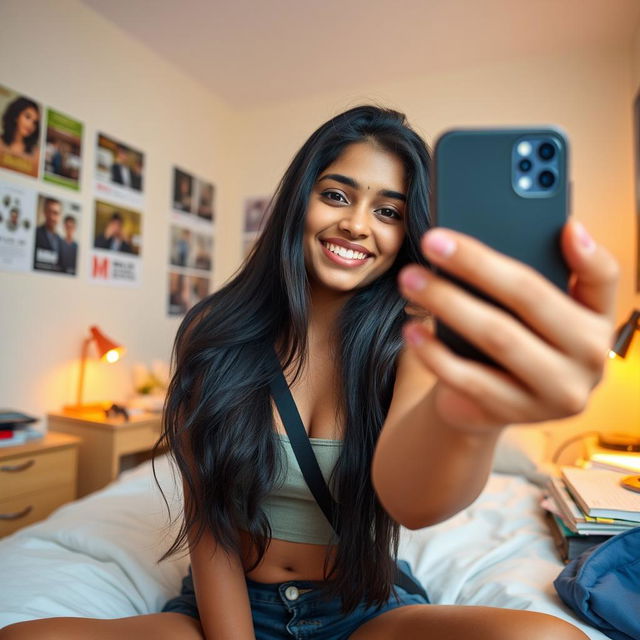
(31,507)
(42,470)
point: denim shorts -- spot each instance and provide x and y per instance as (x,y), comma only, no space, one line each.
(296,609)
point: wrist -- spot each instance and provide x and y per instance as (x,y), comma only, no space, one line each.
(454,412)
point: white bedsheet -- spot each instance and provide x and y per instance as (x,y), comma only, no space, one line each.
(97,556)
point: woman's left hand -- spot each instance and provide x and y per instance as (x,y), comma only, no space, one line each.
(553,357)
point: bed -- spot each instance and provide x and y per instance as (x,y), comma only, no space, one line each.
(96,557)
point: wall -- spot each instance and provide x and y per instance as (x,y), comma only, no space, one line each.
(588,93)
(66,56)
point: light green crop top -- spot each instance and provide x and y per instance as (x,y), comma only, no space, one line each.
(293,513)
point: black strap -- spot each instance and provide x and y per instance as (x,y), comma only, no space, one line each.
(308,462)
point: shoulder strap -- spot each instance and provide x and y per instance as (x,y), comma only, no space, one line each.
(303,451)
(302,447)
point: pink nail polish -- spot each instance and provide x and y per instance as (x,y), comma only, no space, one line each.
(413,335)
(440,244)
(413,280)
(586,241)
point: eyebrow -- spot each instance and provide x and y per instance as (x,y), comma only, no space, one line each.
(350,182)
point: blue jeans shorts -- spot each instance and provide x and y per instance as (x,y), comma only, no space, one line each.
(295,609)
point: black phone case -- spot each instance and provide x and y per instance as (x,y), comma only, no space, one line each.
(473,193)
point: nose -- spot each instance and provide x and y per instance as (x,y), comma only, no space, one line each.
(355,221)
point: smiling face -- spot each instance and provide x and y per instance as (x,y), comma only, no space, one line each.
(27,122)
(359,200)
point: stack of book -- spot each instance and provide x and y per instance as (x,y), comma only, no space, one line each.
(15,428)
(587,507)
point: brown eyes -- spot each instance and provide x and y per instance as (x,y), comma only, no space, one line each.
(337,196)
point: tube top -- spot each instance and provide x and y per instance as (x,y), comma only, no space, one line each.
(293,513)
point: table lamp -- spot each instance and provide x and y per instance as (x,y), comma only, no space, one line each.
(108,351)
(624,335)
(623,338)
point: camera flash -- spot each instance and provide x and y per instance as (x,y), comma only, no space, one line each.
(524,182)
(524,148)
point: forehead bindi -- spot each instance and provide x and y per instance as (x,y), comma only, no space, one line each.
(370,168)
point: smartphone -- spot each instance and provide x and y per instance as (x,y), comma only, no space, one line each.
(509,188)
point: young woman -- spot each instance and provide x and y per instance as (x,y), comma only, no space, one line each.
(19,148)
(327,286)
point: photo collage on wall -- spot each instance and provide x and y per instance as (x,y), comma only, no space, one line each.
(38,226)
(256,214)
(41,216)
(116,251)
(191,241)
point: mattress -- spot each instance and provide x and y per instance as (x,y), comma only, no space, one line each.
(98,556)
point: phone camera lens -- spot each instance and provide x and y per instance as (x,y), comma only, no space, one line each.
(525,164)
(546,151)
(546,179)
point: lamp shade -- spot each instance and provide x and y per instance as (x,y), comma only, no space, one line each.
(108,350)
(624,334)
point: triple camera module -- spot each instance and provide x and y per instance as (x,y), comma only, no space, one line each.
(535,166)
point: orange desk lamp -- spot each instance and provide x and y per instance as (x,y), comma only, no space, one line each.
(108,351)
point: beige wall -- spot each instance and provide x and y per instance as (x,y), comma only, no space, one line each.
(66,56)
(96,73)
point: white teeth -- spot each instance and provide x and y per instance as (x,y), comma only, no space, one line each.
(345,253)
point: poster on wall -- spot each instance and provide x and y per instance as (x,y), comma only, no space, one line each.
(191,240)
(20,135)
(17,222)
(63,150)
(185,291)
(192,197)
(256,214)
(115,257)
(56,233)
(119,172)
(190,249)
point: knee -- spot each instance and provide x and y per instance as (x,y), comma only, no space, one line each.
(542,625)
(29,630)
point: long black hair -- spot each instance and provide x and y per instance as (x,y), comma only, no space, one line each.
(218,420)
(10,122)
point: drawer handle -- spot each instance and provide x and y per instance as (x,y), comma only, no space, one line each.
(18,467)
(17,515)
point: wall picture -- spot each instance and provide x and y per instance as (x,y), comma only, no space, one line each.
(63,150)
(119,172)
(56,235)
(17,221)
(20,136)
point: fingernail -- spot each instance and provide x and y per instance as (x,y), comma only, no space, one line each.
(413,334)
(439,243)
(586,241)
(413,280)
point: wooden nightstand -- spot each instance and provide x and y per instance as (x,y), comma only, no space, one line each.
(36,478)
(106,443)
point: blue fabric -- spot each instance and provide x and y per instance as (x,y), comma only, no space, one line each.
(309,615)
(603,586)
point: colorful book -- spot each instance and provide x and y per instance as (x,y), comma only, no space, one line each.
(570,544)
(577,521)
(599,493)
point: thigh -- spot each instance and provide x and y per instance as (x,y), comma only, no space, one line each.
(160,626)
(453,622)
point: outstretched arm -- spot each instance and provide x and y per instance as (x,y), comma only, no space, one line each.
(437,443)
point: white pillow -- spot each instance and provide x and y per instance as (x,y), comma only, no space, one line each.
(522,450)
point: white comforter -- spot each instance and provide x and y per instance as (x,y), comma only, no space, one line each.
(97,556)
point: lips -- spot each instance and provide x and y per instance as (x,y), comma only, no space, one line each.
(348,245)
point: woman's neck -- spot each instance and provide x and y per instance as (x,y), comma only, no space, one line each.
(18,143)
(324,308)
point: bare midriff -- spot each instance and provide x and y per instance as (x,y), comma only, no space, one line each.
(284,560)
